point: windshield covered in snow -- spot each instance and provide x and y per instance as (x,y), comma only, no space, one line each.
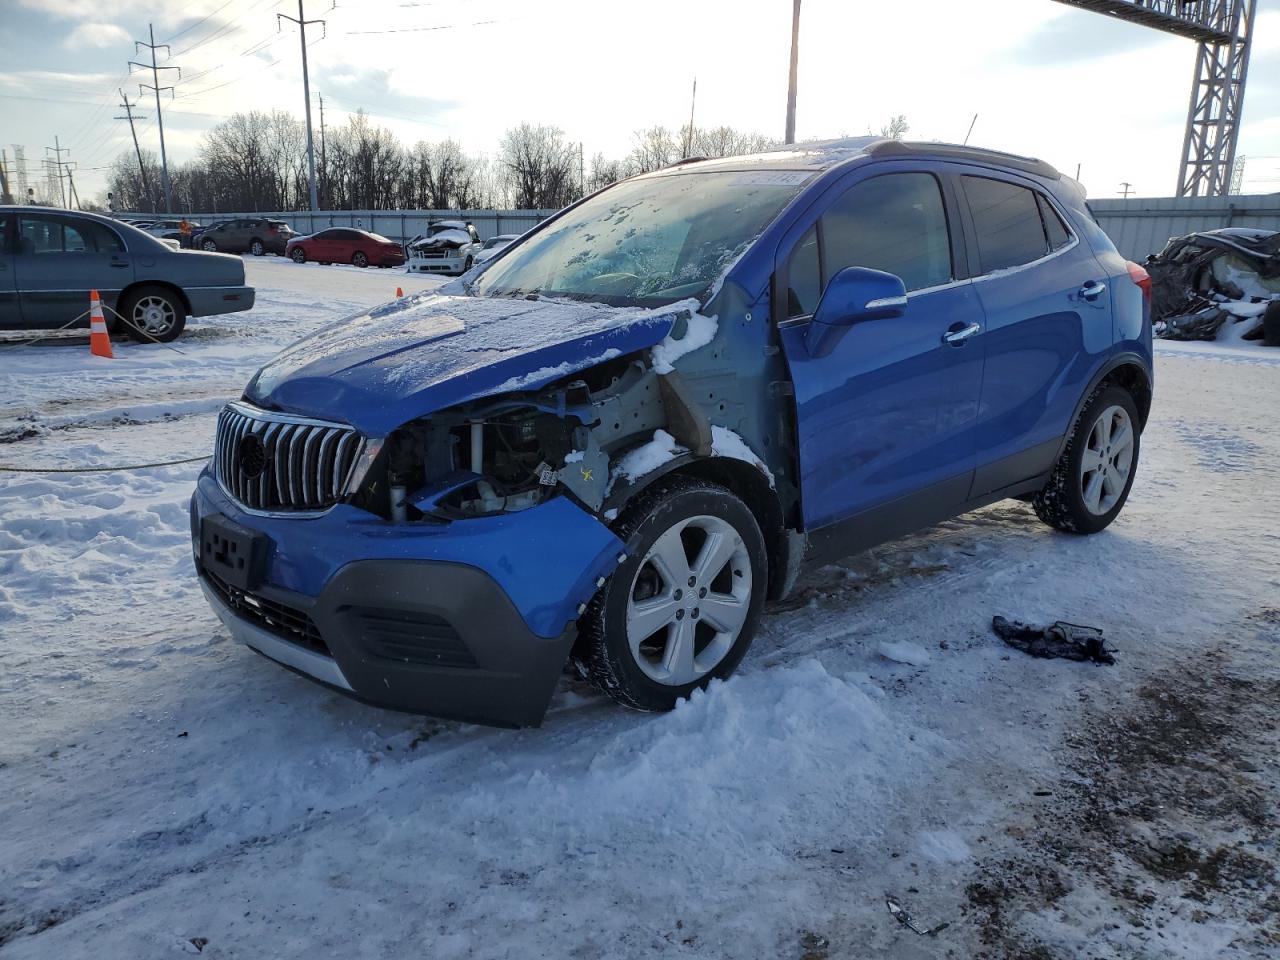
(646,242)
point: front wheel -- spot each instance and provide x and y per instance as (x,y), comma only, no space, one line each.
(153,314)
(467,265)
(1091,481)
(209,246)
(681,610)
(257,248)
(360,260)
(298,255)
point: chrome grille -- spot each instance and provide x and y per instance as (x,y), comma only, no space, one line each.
(294,464)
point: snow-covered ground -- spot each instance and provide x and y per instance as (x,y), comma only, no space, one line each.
(164,790)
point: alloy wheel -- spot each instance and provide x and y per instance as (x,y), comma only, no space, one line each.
(154,315)
(1106,460)
(689,600)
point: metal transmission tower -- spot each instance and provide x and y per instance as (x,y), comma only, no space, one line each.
(19,174)
(155,85)
(1223,29)
(142,169)
(302,22)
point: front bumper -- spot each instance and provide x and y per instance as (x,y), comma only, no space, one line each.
(471,620)
(207,301)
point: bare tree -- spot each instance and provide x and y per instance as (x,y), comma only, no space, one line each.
(540,167)
(896,128)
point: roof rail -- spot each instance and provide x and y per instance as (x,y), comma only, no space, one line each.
(952,151)
(682,161)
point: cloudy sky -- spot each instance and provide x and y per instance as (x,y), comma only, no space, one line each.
(1071,87)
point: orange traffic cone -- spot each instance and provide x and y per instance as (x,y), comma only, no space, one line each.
(399,292)
(99,339)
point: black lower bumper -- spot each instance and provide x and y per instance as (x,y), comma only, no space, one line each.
(415,635)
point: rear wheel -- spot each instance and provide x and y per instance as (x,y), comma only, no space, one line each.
(208,245)
(153,314)
(682,609)
(360,260)
(1092,479)
(256,247)
(298,255)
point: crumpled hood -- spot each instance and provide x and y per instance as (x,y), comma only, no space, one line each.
(412,357)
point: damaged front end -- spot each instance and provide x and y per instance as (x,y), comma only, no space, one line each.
(1219,283)
(445,249)
(511,452)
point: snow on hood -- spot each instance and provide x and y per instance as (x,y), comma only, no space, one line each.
(442,238)
(414,356)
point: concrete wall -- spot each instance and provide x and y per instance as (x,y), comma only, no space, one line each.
(1143,226)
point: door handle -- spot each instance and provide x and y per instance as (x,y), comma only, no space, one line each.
(118,265)
(959,334)
(1093,290)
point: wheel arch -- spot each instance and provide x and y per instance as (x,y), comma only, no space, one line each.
(747,483)
(137,285)
(1127,370)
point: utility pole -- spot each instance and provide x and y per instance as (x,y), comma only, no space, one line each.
(791,82)
(71,184)
(324,167)
(302,22)
(142,170)
(1126,191)
(58,150)
(688,136)
(155,85)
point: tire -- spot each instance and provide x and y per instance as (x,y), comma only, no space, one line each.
(256,247)
(1091,481)
(360,259)
(299,255)
(1271,326)
(642,668)
(158,311)
(467,265)
(209,246)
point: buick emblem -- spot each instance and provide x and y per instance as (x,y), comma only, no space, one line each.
(253,456)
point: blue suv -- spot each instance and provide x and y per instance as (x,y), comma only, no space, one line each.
(613,442)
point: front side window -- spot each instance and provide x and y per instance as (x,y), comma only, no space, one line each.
(895,223)
(804,278)
(1007,220)
(646,242)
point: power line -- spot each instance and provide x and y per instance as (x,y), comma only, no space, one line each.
(203,19)
(447,26)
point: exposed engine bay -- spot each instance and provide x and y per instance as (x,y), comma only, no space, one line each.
(512,452)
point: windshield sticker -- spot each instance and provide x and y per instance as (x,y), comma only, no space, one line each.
(772,178)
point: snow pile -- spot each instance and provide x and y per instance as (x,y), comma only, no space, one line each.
(904,651)
(699,332)
(726,443)
(646,458)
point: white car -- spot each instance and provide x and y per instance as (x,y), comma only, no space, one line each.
(448,246)
(167,228)
(494,245)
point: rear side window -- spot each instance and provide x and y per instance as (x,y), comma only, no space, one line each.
(895,223)
(66,235)
(1007,220)
(1059,235)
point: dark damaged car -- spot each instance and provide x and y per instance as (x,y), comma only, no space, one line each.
(611,445)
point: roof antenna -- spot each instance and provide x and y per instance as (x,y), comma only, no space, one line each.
(970,133)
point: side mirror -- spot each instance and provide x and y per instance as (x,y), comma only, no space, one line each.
(854,295)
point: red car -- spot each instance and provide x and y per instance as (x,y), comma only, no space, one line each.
(346,245)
